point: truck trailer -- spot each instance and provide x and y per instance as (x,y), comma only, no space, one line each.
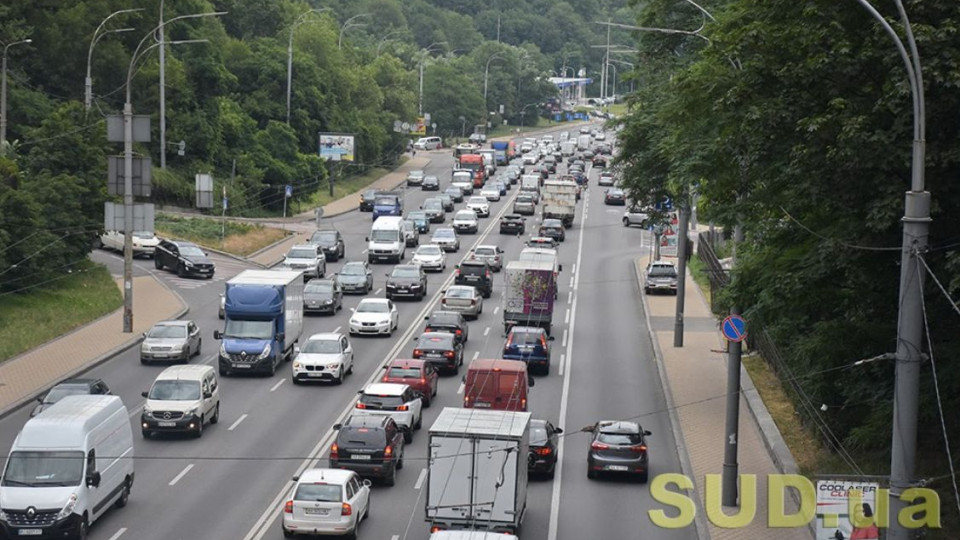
(531,287)
(559,200)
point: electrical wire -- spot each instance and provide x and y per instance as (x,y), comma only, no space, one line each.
(829,239)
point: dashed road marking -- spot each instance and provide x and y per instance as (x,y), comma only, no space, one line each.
(119,533)
(460,389)
(564,338)
(237,422)
(486,331)
(274,387)
(181,475)
(566,318)
(420,479)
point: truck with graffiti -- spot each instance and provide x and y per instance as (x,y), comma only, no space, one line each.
(530,289)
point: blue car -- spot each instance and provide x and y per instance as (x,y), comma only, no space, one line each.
(531,345)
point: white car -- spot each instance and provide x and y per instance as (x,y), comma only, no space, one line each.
(326,501)
(430,257)
(480,205)
(635,216)
(446,238)
(531,157)
(181,399)
(491,192)
(428,143)
(465,221)
(374,316)
(398,401)
(306,258)
(606,179)
(324,357)
(144,243)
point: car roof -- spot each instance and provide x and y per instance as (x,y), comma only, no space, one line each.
(385,389)
(373,301)
(182,243)
(325,336)
(409,363)
(461,287)
(512,216)
(441,315)
(354,263)
(485,246)
(186,371)
(474,262)
(437,334)
(303,246)
(77,382)
(329,476)
(182,322)
(366,421)
(536,422)
(618,426)
(663,263)
(551,222)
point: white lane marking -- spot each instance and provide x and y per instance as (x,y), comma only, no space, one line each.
(364,252)
(564,398)
(566,318)
(496,309)
(237,422)
(476,354)
(337,329)
(563,358)
(564,337)
(181,475)
(571,282)
(379,290)
(460,389)
(396,536)
(119,533)
(420,479)
(486,331)
(570,295)
(274,387)
(574,270)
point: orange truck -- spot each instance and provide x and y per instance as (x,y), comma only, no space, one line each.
(474,164)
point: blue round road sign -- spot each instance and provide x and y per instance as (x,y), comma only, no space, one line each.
(734,328)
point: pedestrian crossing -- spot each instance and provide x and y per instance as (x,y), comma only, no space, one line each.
(226,268)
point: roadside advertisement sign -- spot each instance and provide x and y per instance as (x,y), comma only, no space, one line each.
(669,238)
(845,510)
(336,146)
(421,127)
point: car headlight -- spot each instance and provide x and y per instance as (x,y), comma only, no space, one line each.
(68,508)
(192,412)
(383,323)
(355,322)
(297,366)
(188,264)
(223,350)
(147,411)
(266,352)
(333,366)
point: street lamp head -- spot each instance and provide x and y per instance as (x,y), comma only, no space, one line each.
(28,40)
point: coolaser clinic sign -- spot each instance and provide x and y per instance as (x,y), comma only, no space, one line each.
(845,509)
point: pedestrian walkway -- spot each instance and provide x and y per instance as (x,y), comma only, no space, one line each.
(28,375)
(695,378)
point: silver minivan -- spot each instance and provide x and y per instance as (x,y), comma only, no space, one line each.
(181,400)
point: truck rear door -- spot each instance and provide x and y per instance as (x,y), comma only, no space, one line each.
(451,465)
(495,487)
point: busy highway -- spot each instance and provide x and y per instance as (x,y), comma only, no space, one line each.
(232,483)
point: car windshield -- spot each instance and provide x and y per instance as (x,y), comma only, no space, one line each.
(324,237)
(417,216)
(372,307)
(167,332)
(466,214)
(191,251)
(319,287)
(615,193)
(429,250)
(524,199)
(435,341)
(302,254)
(59,392)
(371,401)
(352,269)
(405,272)
(538,435)
(33,469)
(431,179)
(486,252)
(555,223)
(457,292)
(403,373)
(318,493)
(662,270)
(386,201)
(453,190)
(524,338)
(321,346)
(369,194)
(461,177)
(383,235)
(477,200)
(248,329)
(361,436)
(416,174)
(444,233)
(625,439)
(433,204)
(175,390)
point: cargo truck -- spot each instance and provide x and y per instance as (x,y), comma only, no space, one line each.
(263,319)
(530,289)
(474,164)
(505,151)
(559,200)
(477,470)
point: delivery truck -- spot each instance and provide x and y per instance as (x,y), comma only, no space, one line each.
(263,320)
(477,470)
(558,199)
(530,289)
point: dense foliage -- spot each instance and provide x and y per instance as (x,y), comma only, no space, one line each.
(796,119)
(355,68)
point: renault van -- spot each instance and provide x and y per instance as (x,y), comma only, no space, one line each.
(386,241)
(67,467)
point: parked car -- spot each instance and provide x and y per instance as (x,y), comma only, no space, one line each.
(398,401)
(615,197)
(69,387)
(322,295)
(660,276)
(306,258)
(406,280)
(371,446)
(464,299)
(635,216)
(184,258)
(144,242)
(465,221)
(367,199)
(430,183)
(480,205)
(430,257)
(453,322)
(328,501)
(543,447)
(475,273)
(529,344)
(492,255)
(618,447)
(175,341)
(513,224)
(331,241)
(323,357)
(447,239)
(553,228)
(418,374)
(415,178)
(356,276)
(440,349)
(411,235)
(374,316)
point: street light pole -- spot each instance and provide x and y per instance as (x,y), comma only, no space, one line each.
(347,24)
(297,22)
(385,39)
(97,35)
(423,57)
(609,65)
(163,92)
(486,73)
(3,93)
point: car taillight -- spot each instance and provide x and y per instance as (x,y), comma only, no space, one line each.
(444,301)
(448,354)
(545,451)
(402,408)
(423,381)
(288,507)
(543,342)
(459,331)
(388,451)
(361,405)
(417,353)
(640,448)
(523,403)
(346,509)
(334,451)
(473,302)
(599,446)
(458,273)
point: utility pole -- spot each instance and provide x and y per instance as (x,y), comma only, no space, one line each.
(732,427)
(498,28)
(163,93)
(420,94)
(606,61)
(681,270)
(3,92)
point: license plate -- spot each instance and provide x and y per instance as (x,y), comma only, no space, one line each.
(314,374)
(434,355)
(617,468)
(30,532)
(473,278)
(481,405)
(361,457)
(160,355)
(240,366)
(316,511)
(167,424)
(204,270)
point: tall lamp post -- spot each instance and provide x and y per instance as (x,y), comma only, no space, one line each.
(128,164)
(386,38)
(3,92)
(97,35)
(523,113)
(297,22)
(423,57)
(486,74)
(348,24)
(463,127)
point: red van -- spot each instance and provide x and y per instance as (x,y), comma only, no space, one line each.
(496,384)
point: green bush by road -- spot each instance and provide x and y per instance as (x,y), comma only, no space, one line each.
(238,238)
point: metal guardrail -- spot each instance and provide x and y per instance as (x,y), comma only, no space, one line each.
(716,274)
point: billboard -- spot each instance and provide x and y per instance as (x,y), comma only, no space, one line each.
(670,237)
(420,128)
(844,509)
(336,146)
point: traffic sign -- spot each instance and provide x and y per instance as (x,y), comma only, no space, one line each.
(734,328)
(288,191)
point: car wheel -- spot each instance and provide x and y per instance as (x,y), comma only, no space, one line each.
(419,423)
(286,533)
(408,436)
(294,380)
(124,495)
(273,369)
(146,434)
(626,222)
(82,529)
(646,291)
(340,376)
(181,271)
(223,371)
(199,346)
(642,477)
(199,432)
(392,479)
(156,263)
(216,415)
(350,370)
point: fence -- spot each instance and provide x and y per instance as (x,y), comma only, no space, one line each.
(716,273)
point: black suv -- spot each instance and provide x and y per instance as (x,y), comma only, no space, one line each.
(512,224)
(367,198)
(448,321)
(407,280)
(371,446)
(185,258)
(477,274)
(332,243)
(440,349)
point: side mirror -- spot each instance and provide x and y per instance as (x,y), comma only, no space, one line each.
(296,350)
(296,478)
(143,335)
(366,238)
(551,338)
(387,274)
(336,427)
(360,392)
(558,430)
(384,367)
(93,479)
(367,483)
(144,394)
(207,395)
(217,335)
(559,268)
(646,433)
(427,318)
(463,379)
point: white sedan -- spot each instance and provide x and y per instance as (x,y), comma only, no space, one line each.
(480,205)
(491,193)
(430,257)
(324,357)
(465,221)
(374,316)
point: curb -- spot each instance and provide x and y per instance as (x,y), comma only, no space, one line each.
(123,347)
(703,531)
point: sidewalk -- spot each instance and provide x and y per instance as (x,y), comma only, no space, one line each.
(694,381)
(24,377)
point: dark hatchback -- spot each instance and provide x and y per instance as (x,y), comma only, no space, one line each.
(615,197)
(371,446)
(476,273)
(367,199)
(543,447)
(430,183)
(618,447)
(513,224)
(331,242)
(420,218)
(529,344)
(185,258)
(448,321)
(407,280)
(440,349)
(322,296)
(553,228)
(455,193)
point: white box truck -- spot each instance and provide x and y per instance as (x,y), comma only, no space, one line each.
(67,467)
(477,470)
(584,141)
(559,200)
(568,148)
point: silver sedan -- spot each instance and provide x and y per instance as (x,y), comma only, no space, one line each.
(464,299)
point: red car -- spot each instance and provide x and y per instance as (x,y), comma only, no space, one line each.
(417,374)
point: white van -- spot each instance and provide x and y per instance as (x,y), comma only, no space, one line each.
(181,400)
(584,142)
(428,143)
(66,468)
(386,241)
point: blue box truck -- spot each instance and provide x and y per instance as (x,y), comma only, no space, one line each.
(263,319)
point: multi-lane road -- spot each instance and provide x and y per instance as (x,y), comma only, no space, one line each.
(231,484)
